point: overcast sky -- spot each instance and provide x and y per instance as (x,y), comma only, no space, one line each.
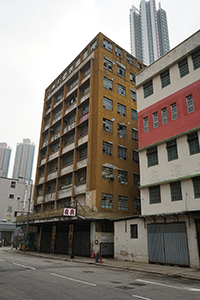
(40,38)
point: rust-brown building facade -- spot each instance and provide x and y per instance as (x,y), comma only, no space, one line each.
(88,148)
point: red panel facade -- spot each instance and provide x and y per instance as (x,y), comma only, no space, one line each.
(185,121)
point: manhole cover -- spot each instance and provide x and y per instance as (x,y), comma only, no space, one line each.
(124,287)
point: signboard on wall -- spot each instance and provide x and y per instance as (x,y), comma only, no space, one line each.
(69,212)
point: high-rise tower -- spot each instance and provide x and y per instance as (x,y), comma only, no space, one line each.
(24,160)
(5,152)
(149,37)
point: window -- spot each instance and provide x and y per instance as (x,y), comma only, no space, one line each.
(135,134)
(132,77)
(70,138)
(146,124)
(120,71)
(190,105)
(53,166)
(164,115)
(148,89)
(77,62)
(118,51)
(65,202)
(107,173)
(107,125)
(139,66)
(136,179)
(93,46)
(129,59)
(86,89)
(64,76)
(137,205)
(174,111)
(122,203)
(13,184)
(121,130)
(152,156)
(107,226)
(135,156)
(107,83)
(70,69)
(196,60)
(11,196)
(122,152)
(73,84)
(155,119)
(172,150)
(196,186)
(107,45)
(85,54)
(183,67)
(71,100)
(65,181)
(134,231)
(84,129)
(107,64)
(81,176)
(122,177)
(107,148)
(68,159)
(83,152)
(121,109)
(134,115)
(121,90)
(175,188)
(133,96)
(154,194)
(107,201)
(165,79)
(107,103)
(18,198)
(193,143)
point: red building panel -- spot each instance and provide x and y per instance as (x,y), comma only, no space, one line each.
(185,121)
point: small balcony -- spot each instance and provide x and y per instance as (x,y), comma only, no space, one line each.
(83,140)
(66,170)
(43,161)
(85,97)
(80,189)
(68,128)
(66,192)
(41,179)
(52,175)
(40,199)
(68,147)
(53,155)
(50,196)
(56,136)
(82,163)
(57,119)
(70,108)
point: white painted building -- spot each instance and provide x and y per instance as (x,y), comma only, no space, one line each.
(168,93)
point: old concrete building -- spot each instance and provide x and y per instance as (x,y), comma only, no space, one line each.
(88,157)
(168,93)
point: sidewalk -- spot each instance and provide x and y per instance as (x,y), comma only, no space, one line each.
(173,271)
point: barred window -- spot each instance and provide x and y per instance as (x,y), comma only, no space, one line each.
(129,59)
(118,51)
(136,179)
(135,134)
(135,156)
(65,181)
(121,130)
(190,105)
(133,96)
(53,166)
(121,109)
(122,177)
(193,143)
(183,67)
(148,89)
(176,193)
(107,64)
(85,54)
(107,173)
(107,83)
(172,150)
(120,71)
(84,129)
(165,78)
(121,90)
(174,111)
(137,205)
(73,84)
(132,77)
(82,151)
(69,138)
(107,103)
(155,119)
(107,148)
(68,159)
(122,152)
(107,125)
(77,62)
(81,176)
(196,60)
(146,124)
(70,118)
(164,115)
(196,186)
(152,156)
(72,100)
(122,203)
(107,201)
(134,115)
(154,194)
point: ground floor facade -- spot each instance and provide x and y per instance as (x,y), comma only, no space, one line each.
(172,239)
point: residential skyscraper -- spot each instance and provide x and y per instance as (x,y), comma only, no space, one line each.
(24,160)
(5,152)
(149,36)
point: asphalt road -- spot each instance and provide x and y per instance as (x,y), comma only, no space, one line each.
(33,278)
